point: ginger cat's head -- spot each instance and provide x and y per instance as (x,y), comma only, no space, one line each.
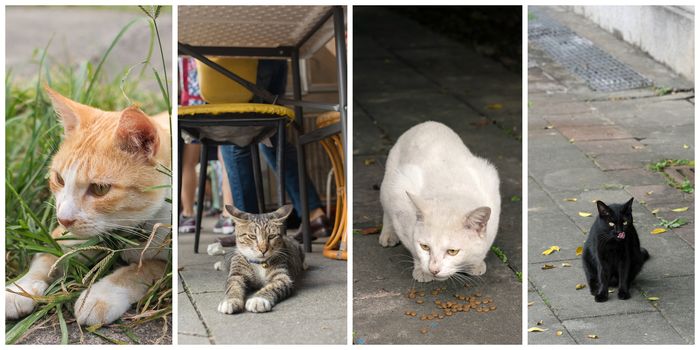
(104,167)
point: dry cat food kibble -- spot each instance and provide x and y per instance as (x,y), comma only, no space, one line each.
(424,330)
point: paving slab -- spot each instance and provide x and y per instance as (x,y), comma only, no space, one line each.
(539,315)
(640,328)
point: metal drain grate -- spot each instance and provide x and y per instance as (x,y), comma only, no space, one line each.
(680,174)
(580,56)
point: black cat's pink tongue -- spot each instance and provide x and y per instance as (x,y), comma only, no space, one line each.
(621,235)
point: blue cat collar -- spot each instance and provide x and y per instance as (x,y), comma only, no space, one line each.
(263,263)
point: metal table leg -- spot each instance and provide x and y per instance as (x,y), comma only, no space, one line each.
(257,176)
(301,155)
(200,194)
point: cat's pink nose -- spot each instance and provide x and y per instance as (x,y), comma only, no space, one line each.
(434,271)
(66,223)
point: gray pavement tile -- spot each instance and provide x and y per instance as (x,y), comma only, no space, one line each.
(593,132)
(553,228)
(538,312)
(368,138)
(639,328)
(192,339)
(657,196)
(622,147)
(367,180)
(635,177)
(676,302)
(617,161)
(557,287)
(189,322)
(374,76)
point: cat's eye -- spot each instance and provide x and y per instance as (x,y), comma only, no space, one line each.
(453,252)
(271,236)
(99,190)
(425,247)
(59,180)
(611,224)
(624,223)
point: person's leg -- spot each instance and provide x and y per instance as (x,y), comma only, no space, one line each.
(190,158)
(239,170)
(225,185)
(225,223)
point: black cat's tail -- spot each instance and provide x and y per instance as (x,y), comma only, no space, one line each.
(645,254)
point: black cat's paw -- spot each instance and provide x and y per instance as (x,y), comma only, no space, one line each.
(600,298)
(623,294)
(593,289)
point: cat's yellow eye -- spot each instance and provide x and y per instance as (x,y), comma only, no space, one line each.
(59,180)
(611,224)
(624,223)
(271,236)
(425,247)
(99,190)
(453,252)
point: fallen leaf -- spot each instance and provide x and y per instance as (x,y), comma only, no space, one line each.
(370,230)
(369,161)
(685,146)
(572,199)
(566,264)
(580,286)
(655,211)
(559,333)
(540,322)
(572,140)
(551,250)
(547,267)
(593,336)
(536,329)
(579,251)
(658,230)
(650,193)
(515,198)
(637,147)
(530,303)
(494,106)
(680,210)
(482,122)
(584,214)
(653,298)
(549,127)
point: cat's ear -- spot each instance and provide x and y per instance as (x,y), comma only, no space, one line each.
(281,214)
(418,205)
(603,209)
(66,109)
(477,219)
(237,215)
(627,208)
(136,134)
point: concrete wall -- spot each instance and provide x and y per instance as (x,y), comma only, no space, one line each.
(666,33)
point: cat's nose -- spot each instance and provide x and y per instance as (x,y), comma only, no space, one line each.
(263,249)
(434,271)
(66,223)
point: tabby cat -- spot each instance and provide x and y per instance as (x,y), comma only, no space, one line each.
(612,255)
(265,261)
(102,178)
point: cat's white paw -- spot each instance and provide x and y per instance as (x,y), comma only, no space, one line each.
(258,304)
(103,303)
(230,306)
(388,238)
(17,306)
(478,269)
(421,276)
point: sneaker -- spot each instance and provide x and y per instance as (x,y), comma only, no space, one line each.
(224,225)
(186,224)
(212,212)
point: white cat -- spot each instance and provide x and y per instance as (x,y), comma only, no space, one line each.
(440,201)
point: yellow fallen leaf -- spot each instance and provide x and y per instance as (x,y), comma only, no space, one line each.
(549,127)
(369,161)
(580,286)
(655,211)
(547,267)
(593,336)
(572,199)
(653,298)
(637,147)
(584,214)
(530,303)
(572,140)
(565,265)
(658,230)
(579,251)
(650,193)
(495,106)
(680,210)
(685,146)
(536,329)
(559,333)
(551,250)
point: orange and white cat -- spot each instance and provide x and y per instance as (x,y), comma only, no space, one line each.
(102,177)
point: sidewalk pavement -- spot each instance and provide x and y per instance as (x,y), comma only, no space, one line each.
(315,314)
(401,78)
(589,145)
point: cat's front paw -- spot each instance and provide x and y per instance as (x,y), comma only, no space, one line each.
(103,303)
(421,276)
(601,297)
(258,304)
(623,294)
(230,306)
(18,306)
(478,269)
(388,238)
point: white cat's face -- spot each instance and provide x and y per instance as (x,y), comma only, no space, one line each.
(443,249)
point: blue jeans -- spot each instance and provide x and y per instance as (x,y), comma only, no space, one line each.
(272,75)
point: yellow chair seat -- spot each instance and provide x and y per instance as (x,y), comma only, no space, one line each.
(328,118)
(236,108)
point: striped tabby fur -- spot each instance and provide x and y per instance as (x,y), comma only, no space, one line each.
(265,261)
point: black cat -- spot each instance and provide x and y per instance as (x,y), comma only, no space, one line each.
(612,256)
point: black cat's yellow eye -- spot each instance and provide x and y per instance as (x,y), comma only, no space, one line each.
(99,190)
(425,247)
(611,224)
(453,252)
(624,223)
(59,180)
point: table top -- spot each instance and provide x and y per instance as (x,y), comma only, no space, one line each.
(254,26)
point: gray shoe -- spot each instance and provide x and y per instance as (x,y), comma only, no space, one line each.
(224,225)
(186,224)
